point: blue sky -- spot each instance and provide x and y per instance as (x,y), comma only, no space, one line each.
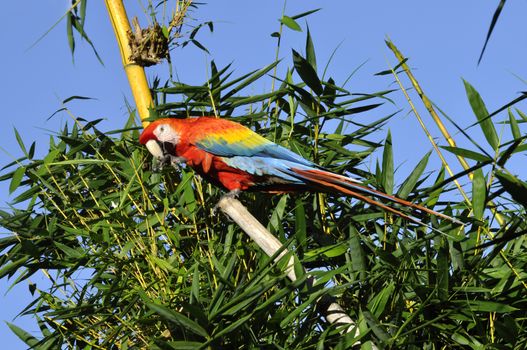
(442,39)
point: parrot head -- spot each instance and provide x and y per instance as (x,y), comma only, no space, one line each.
(160,137)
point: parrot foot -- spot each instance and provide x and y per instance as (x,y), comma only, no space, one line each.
(167,160)
(232,194)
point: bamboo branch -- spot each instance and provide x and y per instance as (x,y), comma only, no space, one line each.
(135,73)
(271,245)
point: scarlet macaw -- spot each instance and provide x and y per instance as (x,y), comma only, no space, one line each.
(233,156)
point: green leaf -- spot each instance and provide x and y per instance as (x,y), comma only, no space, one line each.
(493,22)
(479,194)
(16,179)
(307,73)
(11,267)
(290,23)
(232,327)
(410,182)
(481,112)
(358,257)
(185,345)
(485,306)
(378,302)
(20,142)
(23,335)
(387,165)
(466,153)
(300,222)
(304,14)
(330,92)
(310,51)
(515,130)
(177,318)
(514,186)
(69,32)
(443,267)
(70,252)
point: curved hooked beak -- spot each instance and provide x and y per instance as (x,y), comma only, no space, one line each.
(160,149)
(154,148)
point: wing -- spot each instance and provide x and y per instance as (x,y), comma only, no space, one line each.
(235,140)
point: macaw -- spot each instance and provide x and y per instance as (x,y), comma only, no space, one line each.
(233,156)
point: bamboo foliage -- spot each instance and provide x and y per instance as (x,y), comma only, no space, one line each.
(138,258)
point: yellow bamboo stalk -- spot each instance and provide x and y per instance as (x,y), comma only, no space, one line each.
(135,73)
(451,142)
(437,120)
(427,103)
(430,138)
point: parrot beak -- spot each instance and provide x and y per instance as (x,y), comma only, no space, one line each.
(154,148)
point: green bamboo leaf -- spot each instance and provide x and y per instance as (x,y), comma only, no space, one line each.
(18,174)
(307,73)
(514,186)
(310,51)
(521,114)
(69,32)
(232,327)
(515,130)
(493,22)
(485,306)
(177,318)
(330,92)
(300,222)
(69,251)
(20,142)
(375,326)
(246,80)
(26,337)
(82,12)
(11,267)
(481,112)
(252,99)
(466,153)
(378,302)
(77,25)
(304,14)
(290,23)
(82,162)
(186,345)
(479,194)
(358,257)
(504,156)
(387,165)
(410,182)
(443,267)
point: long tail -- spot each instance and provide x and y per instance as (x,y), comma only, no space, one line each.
(332,182)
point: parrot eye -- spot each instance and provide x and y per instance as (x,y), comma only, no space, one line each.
(161,128)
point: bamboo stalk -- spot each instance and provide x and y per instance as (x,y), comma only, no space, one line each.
(437,120)
(271,245)
(451,142)
(135,73)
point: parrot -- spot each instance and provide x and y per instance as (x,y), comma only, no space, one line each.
(236,158)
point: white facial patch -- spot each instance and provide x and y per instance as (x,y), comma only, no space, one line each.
(165,133)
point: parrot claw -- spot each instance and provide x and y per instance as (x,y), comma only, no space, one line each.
(231,194)
(167,159)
